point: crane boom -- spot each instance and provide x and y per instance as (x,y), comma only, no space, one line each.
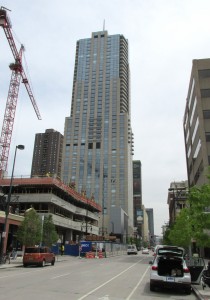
(9,115)
(6,24)
(17,73)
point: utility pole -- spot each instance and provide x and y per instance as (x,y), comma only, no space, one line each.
(4,233)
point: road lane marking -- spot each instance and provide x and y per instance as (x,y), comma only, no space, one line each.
(61,275)
(131,294)
(100,286)
(34,270)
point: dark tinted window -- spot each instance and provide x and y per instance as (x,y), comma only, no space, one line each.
(205,93)
(204,73)
(32,250)
(206,114)
(208,136)
(170,251)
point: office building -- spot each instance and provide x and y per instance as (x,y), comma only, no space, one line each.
(137,198)
(177,199)
(150,221)
(47,155)
(145,227)
(97,154)
(197,123)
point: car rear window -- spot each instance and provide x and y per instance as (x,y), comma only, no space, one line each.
(170,251)
(33,250)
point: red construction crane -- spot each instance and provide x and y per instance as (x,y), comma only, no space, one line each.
(17,74)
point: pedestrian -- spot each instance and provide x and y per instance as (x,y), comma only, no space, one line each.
(62,249)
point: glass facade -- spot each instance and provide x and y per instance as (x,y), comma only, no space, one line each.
(98,138)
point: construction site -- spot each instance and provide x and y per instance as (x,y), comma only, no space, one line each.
(74,215)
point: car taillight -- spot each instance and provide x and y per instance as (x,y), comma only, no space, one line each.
(154,268)
(186,270)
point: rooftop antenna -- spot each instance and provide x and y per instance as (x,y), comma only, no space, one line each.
(104,26)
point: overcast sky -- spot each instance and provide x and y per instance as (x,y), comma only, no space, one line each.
(164,37)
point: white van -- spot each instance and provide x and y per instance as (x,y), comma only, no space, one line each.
(131,249)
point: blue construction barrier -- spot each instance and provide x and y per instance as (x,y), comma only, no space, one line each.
(110,249)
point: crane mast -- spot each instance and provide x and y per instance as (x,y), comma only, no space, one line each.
(17,74)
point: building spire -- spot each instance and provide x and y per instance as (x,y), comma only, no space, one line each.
(104,26)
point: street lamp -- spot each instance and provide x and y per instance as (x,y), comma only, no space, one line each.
(42,230)
(20,147)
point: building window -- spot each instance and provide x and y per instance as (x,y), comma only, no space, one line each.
(205,93)
(206,114)
(90,145)
(195,130)
(189,151)
(197,149)
(199,171)
(204,73)
(207,136)
(193,111)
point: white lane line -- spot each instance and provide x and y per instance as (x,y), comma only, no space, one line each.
(131,294)
(100,286)
(61,275)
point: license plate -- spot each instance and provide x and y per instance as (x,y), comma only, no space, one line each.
(170,279)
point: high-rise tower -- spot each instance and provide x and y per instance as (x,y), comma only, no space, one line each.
(97,154)
(47,155)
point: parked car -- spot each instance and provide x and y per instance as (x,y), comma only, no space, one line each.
(39,256)
(169,269)
(131,249)
(145,251)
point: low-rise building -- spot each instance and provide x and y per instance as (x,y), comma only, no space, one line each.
(177,196)
(73,214)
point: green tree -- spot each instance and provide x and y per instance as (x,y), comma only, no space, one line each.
(180,233)
(29,232)
(166,239)
(193,222)
(199,203)
(50,235)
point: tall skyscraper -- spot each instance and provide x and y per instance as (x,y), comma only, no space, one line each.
(98,138)
(47,155)
(197,123)
(150,224)
(137,198)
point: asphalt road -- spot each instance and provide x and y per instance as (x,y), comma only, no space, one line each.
(116,278)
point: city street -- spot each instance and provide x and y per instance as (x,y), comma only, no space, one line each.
(120,277)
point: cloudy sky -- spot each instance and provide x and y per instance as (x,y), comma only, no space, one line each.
(164,37)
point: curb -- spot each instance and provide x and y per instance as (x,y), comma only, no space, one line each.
(198,294)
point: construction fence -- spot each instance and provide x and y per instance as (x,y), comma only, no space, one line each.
(93,248)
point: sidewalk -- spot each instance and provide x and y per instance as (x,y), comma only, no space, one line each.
(202,294)
(18,262)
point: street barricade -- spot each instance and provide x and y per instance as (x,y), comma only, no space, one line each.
(90,255)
